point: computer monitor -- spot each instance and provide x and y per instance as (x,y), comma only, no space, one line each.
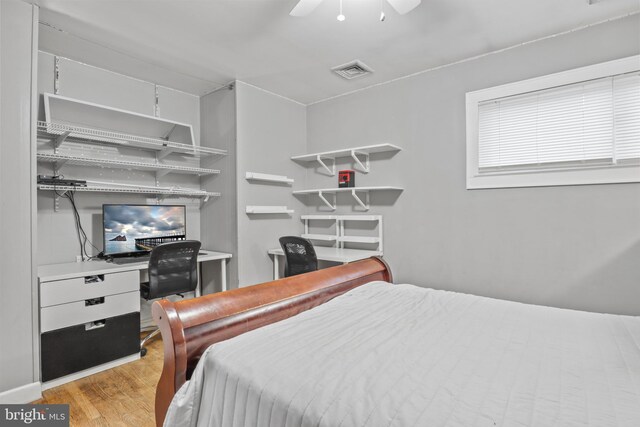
(136,229)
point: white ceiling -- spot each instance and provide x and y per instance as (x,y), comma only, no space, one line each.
(199,45)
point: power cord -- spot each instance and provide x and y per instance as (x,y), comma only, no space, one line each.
(83,239)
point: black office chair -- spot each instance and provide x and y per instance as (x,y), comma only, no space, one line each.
(173,270)
(299,255)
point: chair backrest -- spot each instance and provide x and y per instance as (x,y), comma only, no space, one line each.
(173,268)
(299,255)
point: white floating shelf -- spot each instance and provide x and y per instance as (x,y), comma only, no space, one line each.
(353,190)
(359,239)
(354,152)
(254,176)
(58,133)
(268,210)
(61,159)
(319,217)
(323,237)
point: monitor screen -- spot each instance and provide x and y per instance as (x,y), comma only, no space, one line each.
(130,229)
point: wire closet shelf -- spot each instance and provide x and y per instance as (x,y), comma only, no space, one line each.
(58,133)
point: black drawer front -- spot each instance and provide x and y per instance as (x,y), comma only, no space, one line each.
(68,350)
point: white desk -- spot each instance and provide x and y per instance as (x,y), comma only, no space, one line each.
(69,270)
(324,253)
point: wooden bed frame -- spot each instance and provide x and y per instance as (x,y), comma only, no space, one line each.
(189,327)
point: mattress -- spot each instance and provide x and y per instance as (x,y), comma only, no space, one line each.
(401,355)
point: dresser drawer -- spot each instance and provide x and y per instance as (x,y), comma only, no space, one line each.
(89,310)
(73,349)
(82,288)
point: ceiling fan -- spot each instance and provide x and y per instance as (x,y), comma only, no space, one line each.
(305,7)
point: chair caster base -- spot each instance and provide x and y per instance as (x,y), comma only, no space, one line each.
(143,352)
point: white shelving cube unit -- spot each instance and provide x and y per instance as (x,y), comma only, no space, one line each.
(340,236)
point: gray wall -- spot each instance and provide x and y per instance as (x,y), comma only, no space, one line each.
(18,366)
(57,241)
(218,217)
(270,130)
(574,246)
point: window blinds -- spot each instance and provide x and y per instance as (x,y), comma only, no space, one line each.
(584,124)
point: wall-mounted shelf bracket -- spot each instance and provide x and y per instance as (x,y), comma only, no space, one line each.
(58,165)
(365,205)
(331,170)
(167,136)
(163,153)
(161,173)
(365,167)
(326,202)
(60,139)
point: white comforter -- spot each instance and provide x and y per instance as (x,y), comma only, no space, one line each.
(384,355)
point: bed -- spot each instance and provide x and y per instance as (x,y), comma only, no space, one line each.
(345,347)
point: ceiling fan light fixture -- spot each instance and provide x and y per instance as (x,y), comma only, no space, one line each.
(341,16)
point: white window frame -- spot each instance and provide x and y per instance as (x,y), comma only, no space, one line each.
(545,177)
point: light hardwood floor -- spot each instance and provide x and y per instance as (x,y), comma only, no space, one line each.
(122,396)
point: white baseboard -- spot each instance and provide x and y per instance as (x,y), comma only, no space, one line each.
(23,394)
(90,371)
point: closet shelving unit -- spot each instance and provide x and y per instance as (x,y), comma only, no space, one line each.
(133,189)
(352,190)
(59,160)
(80,133)
(59,133)
(360,156)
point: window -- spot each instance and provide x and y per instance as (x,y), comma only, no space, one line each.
(576,127)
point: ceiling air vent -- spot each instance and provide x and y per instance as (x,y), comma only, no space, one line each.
(352,70)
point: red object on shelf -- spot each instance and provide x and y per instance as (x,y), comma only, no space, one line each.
(346,178)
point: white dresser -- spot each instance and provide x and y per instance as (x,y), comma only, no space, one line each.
(88,323)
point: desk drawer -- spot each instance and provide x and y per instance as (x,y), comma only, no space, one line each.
(82,288)
(75,313)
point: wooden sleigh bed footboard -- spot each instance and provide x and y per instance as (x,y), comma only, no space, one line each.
(189,327)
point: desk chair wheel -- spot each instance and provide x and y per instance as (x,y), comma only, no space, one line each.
(143,349)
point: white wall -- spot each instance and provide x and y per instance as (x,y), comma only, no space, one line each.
(270,130)
(57,241)
(219,217)
(18,350)
(576,247)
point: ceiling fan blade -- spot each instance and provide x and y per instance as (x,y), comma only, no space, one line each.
(404,6)
(304,7)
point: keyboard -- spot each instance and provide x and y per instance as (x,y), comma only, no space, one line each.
(131,260)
